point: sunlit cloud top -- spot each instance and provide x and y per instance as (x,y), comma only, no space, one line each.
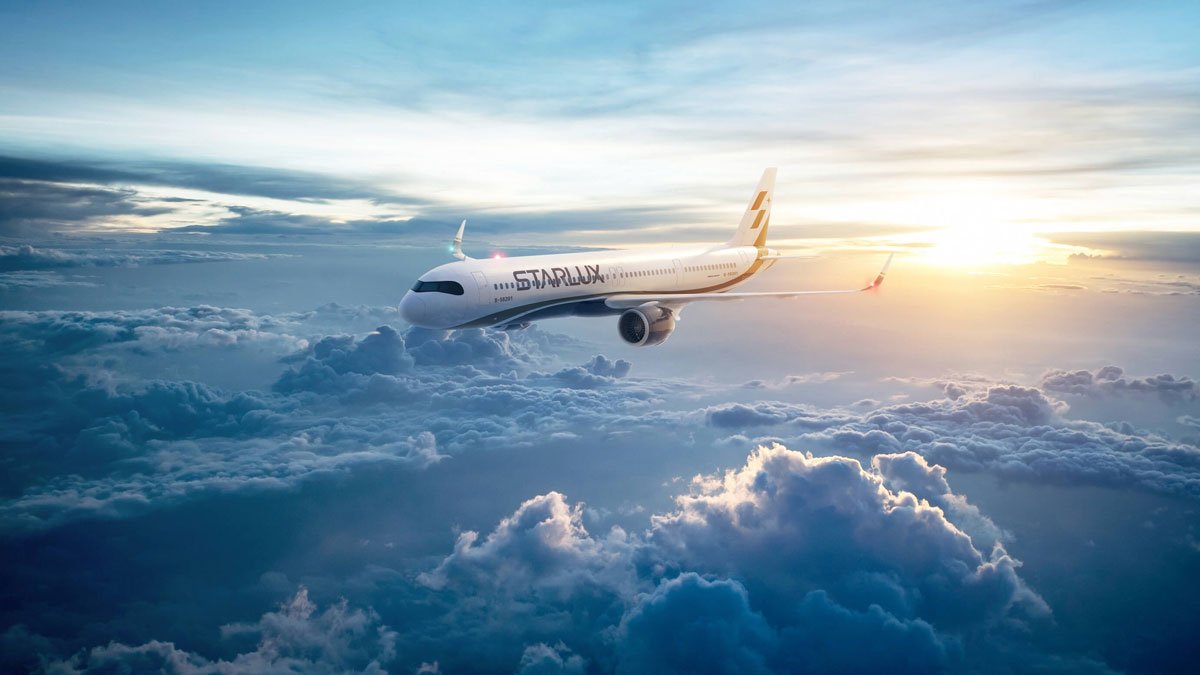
(614,123)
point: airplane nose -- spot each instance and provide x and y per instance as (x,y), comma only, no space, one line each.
(412,308)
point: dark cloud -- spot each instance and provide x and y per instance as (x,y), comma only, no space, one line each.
(1156,285)
(296,638)
(1061,287)
(1140,245)
(826,640)
(438,222)
(39,196)
(250,221)
(690,625)
(220,178)
(31,209)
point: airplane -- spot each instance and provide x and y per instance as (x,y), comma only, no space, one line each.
(646,288)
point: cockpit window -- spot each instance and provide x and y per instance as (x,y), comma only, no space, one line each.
(451,287)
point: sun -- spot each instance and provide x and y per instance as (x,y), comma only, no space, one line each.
(982,246)
(978,228)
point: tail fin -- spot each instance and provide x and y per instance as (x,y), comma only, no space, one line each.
(752,231)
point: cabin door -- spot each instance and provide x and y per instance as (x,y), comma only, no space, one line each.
(483,291)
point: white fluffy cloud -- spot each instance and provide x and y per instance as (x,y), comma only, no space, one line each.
(789,563)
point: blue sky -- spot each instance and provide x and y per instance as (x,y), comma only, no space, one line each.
(1017,117)
(224,451)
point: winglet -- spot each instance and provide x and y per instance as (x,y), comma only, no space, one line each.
(456,247)
(882,273)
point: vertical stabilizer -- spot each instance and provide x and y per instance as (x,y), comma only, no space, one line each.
(752,231)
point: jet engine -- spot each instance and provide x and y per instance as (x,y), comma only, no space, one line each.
(646,325)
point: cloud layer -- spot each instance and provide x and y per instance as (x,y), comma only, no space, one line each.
(1012,431)
(783,564)
(788,563)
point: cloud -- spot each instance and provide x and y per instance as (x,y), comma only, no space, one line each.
(599,372)
(768,413)
(38,335)
(1158,285)
(220,178)
(11,281)
(250,221)
(786,564)
(789,552)
(295,638)
(1018,433)
(791,522)
(1111,381)
(26,257)
(910,472)
(831,635)
(406,399)
(1139,245)
(788,380)
(381,351)
(878,547)
(414,398)
(690,625)
(134,444)
(542,659)
(852,561)
(30,209)
(41,197)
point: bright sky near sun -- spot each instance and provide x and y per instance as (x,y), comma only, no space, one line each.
(981,128)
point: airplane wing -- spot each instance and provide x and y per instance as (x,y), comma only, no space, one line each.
(625,301)
(789,256)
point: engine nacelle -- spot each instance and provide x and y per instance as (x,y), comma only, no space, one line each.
(646,326)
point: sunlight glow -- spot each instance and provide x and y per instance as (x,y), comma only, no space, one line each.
(977,227)
(981,246)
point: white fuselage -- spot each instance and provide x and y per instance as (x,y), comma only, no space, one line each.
(513,291)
